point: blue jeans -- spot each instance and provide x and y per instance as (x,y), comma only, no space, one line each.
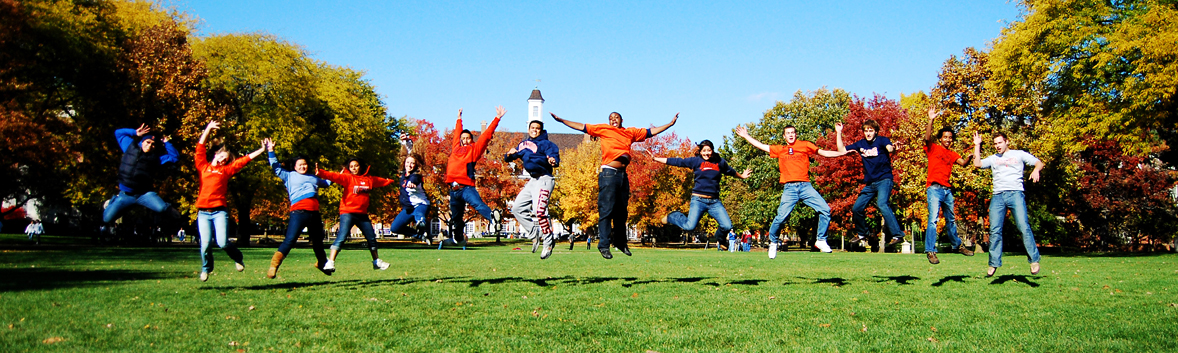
(123,201)
(402,221)
(360,220)
(314,224)
(699,205)
(881,190)
(803,191)
(939,195)
(458,201)
(1017,203)
(613,198)
(731,245)
(746,247)
(213,225)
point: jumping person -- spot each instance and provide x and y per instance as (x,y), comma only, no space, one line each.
(793,162)
(353,208)
(613,185)
(708,167)
(878,181)
(938,189)
(1007,169)
(302,187)
(465,154)
(141,162)
(539,157)
(212,218)
(413,200)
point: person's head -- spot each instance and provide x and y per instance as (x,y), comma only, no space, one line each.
(870,128)
(466,138)
(356,165)
(222,156)
(706,150)
(615,119)
(300,164)
(535,128)
(946,137)
(1001,143)
(411,163)
(790,134)
(147,143)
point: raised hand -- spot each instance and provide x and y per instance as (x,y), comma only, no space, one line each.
(499,111)
(1035,176)
(977,139)
(269,144)
(747,173)
(676,118)
(213,125)
(460,113)
(838,127)
(932,113)
(142,130)
(557,118)
(741,131)
(165,139)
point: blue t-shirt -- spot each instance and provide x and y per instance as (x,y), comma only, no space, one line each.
(707,173)
(877,161)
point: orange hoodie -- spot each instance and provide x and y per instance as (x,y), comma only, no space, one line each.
(356,188)
(460,166)
(214,180)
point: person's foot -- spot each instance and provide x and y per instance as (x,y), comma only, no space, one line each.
(427,242)
(858,239)
(626,250)
(544,254)
(932,258)
(240,266)
(329,266)
(990,271)
(773,250)
(204,276)
(379,264)
(822,246)
(605,253)
(964,250)
(535,244)
(1034,268)
(896,240)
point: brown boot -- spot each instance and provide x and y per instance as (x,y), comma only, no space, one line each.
(932,258)
(274,263)
(964,250)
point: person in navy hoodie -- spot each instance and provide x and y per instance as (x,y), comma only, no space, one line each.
(876,152)
(142,160)
(705,195)
(302,186)
(539,157)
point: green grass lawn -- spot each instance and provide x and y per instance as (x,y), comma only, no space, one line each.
(493,298)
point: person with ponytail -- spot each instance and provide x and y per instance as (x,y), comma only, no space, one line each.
(705,195)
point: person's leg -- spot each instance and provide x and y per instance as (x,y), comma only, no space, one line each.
(400,224)
(363,222)
(221,226)
(950,219)
(813,199)
(997,217)
(346,221)
(619,238)
(540,201)
(117,206)
(607,186)
(1018,206)
(152,201)
(933,194)
(789,198)
(522,206)
(293,227)
(716,209)
(731,245)
(883,199)
(471,195)
(859,209)
(688,222)
(204,225)
(457,222)
(315,227)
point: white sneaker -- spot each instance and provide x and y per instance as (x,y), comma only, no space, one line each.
(204,276)
(240,267)
(379,264)
(822,246)
(773,250)
(329,266)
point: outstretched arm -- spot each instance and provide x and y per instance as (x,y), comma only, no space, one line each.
(204,136)
(963,161)
(457,138)
(742,132)
(977,150)
(571,124)
(255,154)
(838,138)
(928,130)
(660,129)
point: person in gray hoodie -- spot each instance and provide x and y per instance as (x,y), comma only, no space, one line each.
(302,186)
(539,156)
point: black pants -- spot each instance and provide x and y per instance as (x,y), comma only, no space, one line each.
(613,197)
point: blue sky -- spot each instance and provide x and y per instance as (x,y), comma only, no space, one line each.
(718,64)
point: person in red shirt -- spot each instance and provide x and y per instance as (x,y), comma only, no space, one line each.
(465,154)
(353,208)
(613,186)
(939,191)
(793,161)
(212,219)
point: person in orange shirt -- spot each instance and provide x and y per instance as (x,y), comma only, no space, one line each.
(613,186)
(793,161)
(212,220)
(465,154)
(939,191)
(353,207)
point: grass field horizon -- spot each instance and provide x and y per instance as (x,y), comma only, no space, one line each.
(491,297)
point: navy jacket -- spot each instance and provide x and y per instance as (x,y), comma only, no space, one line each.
(534,152)
(138,169)
(707,173)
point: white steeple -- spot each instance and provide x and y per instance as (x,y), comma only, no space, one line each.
(535,106)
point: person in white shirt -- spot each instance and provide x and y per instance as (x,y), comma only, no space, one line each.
(1007,167)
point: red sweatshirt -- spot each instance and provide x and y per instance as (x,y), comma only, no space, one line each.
(214,180)
(356,188)
(460,166)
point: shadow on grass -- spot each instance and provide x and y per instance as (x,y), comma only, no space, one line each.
(946,279)
(16,280)
(478,282)
(1016,278)
(835,281)
(902,280)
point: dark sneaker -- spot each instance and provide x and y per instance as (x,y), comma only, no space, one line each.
(964,250)
(605,253)
(626,250)
(932,258)
(858,239)
(896,240)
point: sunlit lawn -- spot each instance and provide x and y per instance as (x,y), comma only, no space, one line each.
(493,298)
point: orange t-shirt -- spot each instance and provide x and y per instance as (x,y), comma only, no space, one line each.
(940,164)
(615,142)
(793,160)
(214,180)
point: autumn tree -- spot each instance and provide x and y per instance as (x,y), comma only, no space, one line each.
(1123,201)
(574,200)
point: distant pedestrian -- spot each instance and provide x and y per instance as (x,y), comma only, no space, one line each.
(745,244)
(34,229)
(731,241)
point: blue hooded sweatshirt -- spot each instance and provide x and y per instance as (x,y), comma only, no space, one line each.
(138,169)
(298,186)
(534,152)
